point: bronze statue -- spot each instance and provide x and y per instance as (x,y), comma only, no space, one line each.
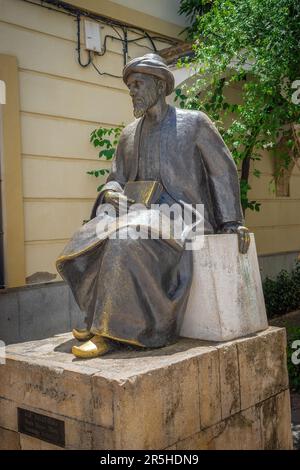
(135,291)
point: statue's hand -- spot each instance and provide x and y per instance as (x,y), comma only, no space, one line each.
(118,200)
(243,234)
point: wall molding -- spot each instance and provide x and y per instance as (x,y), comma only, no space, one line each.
(12,190)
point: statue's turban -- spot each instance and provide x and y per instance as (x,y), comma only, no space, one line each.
(151,64)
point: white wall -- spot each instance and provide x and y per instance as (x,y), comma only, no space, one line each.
(164,9)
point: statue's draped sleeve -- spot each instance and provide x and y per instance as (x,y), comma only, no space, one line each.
(221,171)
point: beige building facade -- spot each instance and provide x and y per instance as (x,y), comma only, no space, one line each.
(52,106)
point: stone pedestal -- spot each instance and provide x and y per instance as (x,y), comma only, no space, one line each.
(226,299)
(191,395)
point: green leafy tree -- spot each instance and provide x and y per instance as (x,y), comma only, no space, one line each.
(191,9)
(107,139)
(253,43)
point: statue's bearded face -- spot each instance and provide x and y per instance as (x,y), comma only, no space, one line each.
(144,91)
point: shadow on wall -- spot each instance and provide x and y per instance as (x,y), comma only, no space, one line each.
(271,265)
(37,312)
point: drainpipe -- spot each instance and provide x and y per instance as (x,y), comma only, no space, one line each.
(2,102)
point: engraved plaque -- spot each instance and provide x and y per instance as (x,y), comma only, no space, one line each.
(42,427)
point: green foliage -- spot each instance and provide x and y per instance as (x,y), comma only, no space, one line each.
(253,45)
(246,204)
(191,9)
(293,334)
(107,139)
(282,295)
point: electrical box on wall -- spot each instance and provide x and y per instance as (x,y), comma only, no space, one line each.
(93,40)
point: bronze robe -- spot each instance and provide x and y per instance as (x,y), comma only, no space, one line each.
(136,291)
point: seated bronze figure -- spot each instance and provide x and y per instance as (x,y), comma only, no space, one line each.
(135,291)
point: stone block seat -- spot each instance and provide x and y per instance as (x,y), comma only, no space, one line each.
(226,300)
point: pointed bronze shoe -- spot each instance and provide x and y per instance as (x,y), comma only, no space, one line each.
(96,346)
(82,334)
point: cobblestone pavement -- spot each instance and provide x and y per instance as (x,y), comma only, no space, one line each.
(295,400)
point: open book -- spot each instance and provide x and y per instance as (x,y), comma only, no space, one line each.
(143,192)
